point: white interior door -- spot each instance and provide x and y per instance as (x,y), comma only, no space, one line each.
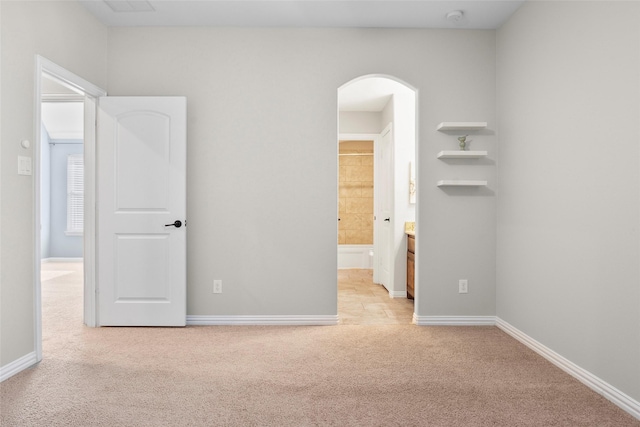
(141,154)
(383,217)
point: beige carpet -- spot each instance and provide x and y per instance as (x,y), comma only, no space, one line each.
(346,375)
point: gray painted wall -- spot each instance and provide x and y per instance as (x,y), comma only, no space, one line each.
(61,245)
(569,193)
(262,181)
(68,35)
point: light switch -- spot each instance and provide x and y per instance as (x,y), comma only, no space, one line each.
(24,165)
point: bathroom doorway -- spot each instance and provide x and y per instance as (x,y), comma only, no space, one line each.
(355,204)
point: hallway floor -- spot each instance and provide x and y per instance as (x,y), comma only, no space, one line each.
(361,302)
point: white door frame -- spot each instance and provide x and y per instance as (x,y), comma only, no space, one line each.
(91,91)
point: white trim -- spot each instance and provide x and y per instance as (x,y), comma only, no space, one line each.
(326,320)
(454,320)
(596,384)
(63,97)
(18,365)
(57,259)
(69,79)
(397,294)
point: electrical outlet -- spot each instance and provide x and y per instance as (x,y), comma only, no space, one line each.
(463,286)
(217,286)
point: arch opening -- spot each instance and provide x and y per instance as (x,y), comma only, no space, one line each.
(377,196)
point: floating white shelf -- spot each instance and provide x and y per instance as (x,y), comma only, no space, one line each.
(459,154)
(461,183)
(461,126)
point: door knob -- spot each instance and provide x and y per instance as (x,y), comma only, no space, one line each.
(176,224)
(388,219)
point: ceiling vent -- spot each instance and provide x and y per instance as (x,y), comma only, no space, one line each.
(130,5)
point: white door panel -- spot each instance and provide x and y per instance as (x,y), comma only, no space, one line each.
(143,143)
(141,192)
(135,282)
(383,216)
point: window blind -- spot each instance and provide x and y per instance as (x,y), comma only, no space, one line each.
(75,194)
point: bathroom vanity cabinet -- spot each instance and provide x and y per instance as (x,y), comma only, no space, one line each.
(411,265)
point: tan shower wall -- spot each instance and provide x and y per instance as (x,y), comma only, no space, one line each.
(355,194)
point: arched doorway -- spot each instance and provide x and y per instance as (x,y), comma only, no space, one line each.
(377,184)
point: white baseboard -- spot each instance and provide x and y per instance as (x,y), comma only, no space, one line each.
(454,320)
(58,259)
(321,320)
(601,387)
(17,366)
(397,294)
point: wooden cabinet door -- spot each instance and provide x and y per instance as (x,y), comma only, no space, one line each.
(411,268)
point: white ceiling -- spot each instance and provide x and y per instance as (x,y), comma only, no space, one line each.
(364,95)
(477,14)
(63,120)
(369,94)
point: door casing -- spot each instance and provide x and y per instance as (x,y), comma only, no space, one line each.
(47,68)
